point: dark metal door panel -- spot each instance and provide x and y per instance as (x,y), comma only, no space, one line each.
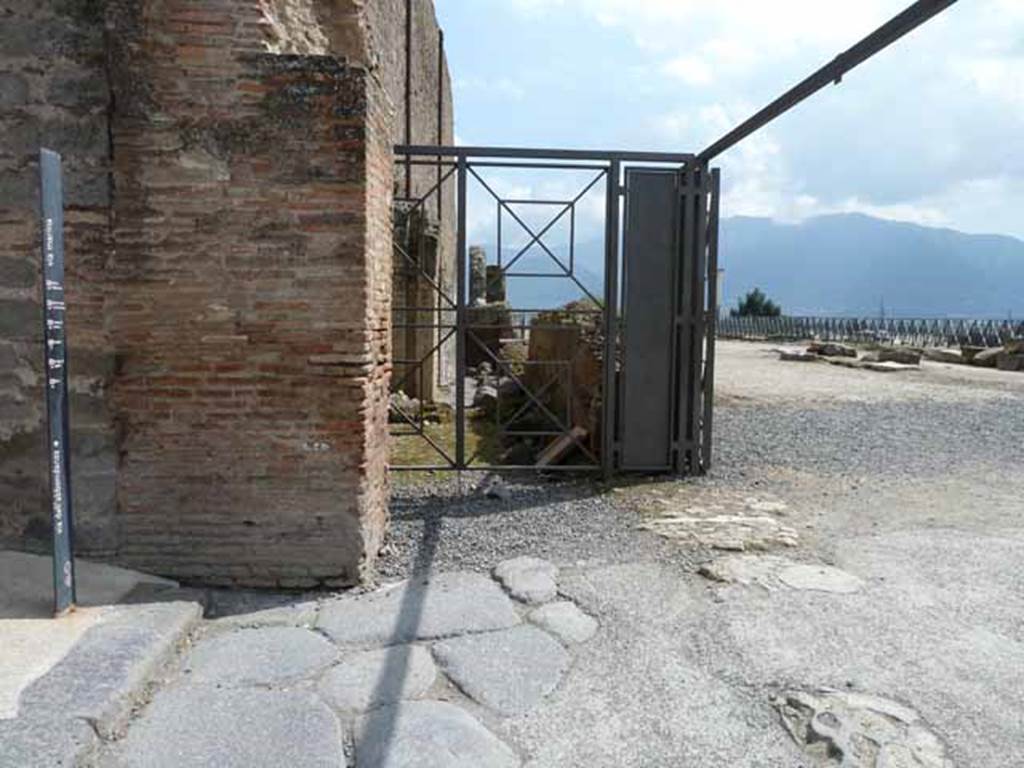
(650,254)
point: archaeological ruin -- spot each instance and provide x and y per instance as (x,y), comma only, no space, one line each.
(229,185)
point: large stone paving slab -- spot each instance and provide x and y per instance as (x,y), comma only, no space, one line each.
(509,671)
(200,727)
(565,621)
(428,734)
(92,690)
(268,656)
(443,606)
(528,579)
(371,678)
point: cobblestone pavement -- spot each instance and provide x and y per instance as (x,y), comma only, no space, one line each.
(843,591)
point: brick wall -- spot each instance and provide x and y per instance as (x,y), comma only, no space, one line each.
(229,257)
(245,308)
(53,92)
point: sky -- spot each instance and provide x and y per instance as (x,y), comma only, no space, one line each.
(929,131)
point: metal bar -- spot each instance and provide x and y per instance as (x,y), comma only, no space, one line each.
(540,166)
(55,362)
(683,326)
(611,289)
(673,158)
(902,24)
(408,92)
(440,118)
(504,468)
(698,276)
(537,202)
(712,319)
(460,319)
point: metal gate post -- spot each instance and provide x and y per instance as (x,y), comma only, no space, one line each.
(460,318)
(609,399)
(696,312)
(711,326)
(683,326)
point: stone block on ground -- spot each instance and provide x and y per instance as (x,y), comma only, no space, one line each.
(772,573)
(262,656)
(901,355)
(970,352)
(831,349)
(1008,362)
(428,734)
(987,358)
(796,355)
(193,727)
(860,731)
(510,672)
(420,609)
(950,356)
(565,621)
(528,579)
(890,367)
(373,678)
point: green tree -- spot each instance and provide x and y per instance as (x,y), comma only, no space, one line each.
(756,304)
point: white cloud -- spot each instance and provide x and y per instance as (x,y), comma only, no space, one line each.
(692,70)
(930,131)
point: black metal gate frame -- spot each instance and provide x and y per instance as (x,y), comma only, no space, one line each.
(696,319)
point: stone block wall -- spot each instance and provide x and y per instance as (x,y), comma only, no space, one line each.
(54,92)
(229,255)
(243,309)
(432,243)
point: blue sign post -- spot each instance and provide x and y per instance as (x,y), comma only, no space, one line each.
(56,372)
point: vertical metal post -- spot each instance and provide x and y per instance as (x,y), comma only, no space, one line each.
(711,327)
(684,327)
(460,318)
(408,96)
(696,313)
(440,121)
(609,398)
(55,366)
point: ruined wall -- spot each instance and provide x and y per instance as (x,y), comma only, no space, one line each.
(429,88)
(245,311)
(53,92)
(229,259)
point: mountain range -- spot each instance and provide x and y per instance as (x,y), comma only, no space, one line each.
(842,265)
(851,264)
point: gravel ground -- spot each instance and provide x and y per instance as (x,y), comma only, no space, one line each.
(436,526)
(814,435)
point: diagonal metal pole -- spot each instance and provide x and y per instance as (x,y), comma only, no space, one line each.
(899,26)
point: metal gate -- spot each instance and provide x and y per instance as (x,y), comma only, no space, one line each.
(553,310)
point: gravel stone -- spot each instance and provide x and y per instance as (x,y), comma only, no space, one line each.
(565,621)
(269,656)
(428,734)
(372,678)
(194,727)
(509,672)
(528,579)
(421,609)
(442,525)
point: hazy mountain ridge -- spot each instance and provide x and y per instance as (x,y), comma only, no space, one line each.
(842,264)
(848,264)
